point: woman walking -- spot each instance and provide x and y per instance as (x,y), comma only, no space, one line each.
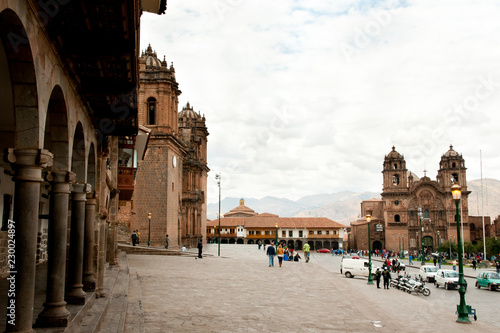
(280,254)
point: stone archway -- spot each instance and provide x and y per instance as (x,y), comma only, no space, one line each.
(377,245)
(335,245)
(250,241)
(428,244)
(240,241)
(232,241)
(290,244)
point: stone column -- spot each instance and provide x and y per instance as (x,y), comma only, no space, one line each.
(28,165)
(54,313)
(101,259)
(88,254)
(74,291)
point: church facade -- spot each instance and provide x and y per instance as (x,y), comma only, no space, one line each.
(171,181)
(414,212)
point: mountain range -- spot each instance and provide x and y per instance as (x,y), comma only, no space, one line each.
(344,207)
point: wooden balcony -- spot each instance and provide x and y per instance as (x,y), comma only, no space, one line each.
(126,178)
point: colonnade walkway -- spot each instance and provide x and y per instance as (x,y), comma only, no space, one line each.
(239,292)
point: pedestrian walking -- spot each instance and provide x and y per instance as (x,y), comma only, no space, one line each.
(454,264)
(166,241)
(271,252)
(378,274)
(306,248)
(387,277)
(440,260)
(498,266)
(474,264)
(200,249)
(409,259)
(134,238)
(280,253)
(259,243)
(435,261)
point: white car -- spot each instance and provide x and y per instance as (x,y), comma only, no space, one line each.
(446,278)
(428,273)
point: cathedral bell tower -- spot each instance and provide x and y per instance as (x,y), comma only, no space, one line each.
(395,172)
(452,169)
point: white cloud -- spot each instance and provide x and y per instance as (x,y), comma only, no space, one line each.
(305,97)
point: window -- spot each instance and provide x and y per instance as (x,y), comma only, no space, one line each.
(283,233)
(426,214)
(290,233)
(395,166)
(396,203)
(454,178)
(311,232)
(267,232)
(395,180)
(151,111)
(411,213)
(397,218)
(440,213)
(319,232)
(301,233)
(328,232)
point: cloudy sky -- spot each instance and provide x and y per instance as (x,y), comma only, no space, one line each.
(307,97)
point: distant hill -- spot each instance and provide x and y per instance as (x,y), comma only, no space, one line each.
(344,207)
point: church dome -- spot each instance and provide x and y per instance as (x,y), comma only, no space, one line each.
(394,154)
(451,153)
(188,113)
(151,60)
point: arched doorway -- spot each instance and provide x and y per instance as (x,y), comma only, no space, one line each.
(317,245)
(232,241)
(291,245)
(335,245)
(377,245)
(250,241)
(240,241)
(298,245)
(428,244)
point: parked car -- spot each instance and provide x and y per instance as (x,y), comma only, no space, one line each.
(428,273)
(490,280)
(446,278)
(354,256)
(323,251)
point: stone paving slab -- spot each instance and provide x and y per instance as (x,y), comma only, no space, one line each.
(238,292)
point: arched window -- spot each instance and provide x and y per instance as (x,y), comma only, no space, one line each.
(151,111)
(395,180)
(395,166)
(454,178)
(426,214)
(397,218)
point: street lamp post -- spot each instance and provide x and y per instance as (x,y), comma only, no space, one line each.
(403,246)
(439,240)
(217,176)
(462,308)
(276,245)
(399,245)
(149,229)
(420,215)
(370,279)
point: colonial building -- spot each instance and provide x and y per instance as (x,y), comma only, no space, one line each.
(242,225)
(395,219)
(68,78)
(171,181)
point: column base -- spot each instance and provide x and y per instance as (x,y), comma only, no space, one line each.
(54,315)
(89,285)
(76,296)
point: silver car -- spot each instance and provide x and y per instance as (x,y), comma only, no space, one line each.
(446,278)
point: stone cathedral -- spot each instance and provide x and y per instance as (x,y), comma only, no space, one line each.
(171,179)
(395,220)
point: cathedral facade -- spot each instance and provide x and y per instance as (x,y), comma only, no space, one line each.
(171,181)
(414,212)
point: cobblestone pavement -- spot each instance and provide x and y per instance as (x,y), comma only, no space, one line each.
(239,292)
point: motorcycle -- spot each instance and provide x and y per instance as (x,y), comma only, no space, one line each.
(417,287)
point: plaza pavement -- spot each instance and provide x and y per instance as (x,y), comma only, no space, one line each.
(238,292)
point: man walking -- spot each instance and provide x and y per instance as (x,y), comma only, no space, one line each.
(271,252)
(166,241)
(134,238)
(307,248)
(200,248)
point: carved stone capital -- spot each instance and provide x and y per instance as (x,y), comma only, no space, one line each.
(28,163)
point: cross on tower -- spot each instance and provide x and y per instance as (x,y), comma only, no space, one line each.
(425,173)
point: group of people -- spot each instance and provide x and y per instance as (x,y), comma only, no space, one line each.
(284,254)
(136,236)
(385,274)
